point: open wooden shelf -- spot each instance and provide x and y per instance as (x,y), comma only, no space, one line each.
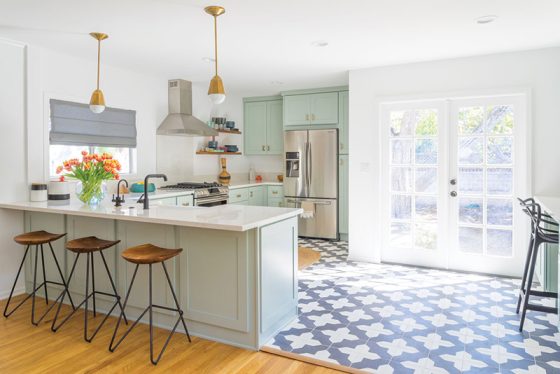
(217,153)
(229,131)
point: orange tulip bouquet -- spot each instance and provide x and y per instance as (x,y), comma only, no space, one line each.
(91,172)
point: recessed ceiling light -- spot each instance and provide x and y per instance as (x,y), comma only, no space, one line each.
(276,83)
(486,19)
(208,59)
(320,43)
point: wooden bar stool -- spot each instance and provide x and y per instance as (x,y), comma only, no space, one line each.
(38,239)
(540,234)
(150,254)
(88,246)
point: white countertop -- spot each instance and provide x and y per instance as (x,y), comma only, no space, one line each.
(550,204)
(222,217)
(233,186)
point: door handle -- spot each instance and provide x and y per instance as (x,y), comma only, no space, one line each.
(251,194)
(268,148)
(453,193)
(263,148)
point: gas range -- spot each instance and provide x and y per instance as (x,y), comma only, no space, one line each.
(205,194)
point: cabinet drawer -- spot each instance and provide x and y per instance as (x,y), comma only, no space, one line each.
(166,201)
(238,194)
(186,200)
(275,191)
(276,202)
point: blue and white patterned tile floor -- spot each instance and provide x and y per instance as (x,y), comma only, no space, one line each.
(398,319)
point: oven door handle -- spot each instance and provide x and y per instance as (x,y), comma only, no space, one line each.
(216,199)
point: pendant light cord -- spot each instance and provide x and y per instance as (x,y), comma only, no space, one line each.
(98,61)
(216,44)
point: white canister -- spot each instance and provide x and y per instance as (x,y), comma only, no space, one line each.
(59,190)
(38,192)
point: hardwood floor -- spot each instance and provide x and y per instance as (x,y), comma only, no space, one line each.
(25,348)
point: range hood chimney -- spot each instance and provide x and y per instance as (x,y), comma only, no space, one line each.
(180,120)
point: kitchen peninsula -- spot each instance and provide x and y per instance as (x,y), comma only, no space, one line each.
(236,277)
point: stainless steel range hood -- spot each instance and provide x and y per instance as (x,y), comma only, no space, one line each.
(180,120)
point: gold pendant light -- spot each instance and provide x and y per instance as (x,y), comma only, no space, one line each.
(216,91)
(97,101)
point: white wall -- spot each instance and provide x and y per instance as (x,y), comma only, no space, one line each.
(177,157)
(537,71)
(12,159)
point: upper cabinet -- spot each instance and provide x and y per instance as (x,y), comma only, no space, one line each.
(311,109)
(343,123)
(262,126)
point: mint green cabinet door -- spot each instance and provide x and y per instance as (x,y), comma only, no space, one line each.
(324,108)
(343,196)
(296,110)
(257,196)
(274,128)
(254,128)
(343,123)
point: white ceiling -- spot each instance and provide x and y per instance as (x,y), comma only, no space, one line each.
(261,41)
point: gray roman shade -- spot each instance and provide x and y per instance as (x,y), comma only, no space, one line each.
(74,124)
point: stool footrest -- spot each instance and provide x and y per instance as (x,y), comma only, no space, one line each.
(542,308)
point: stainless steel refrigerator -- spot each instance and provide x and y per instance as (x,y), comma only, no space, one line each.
(311,180)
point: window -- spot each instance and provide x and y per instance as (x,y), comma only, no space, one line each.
(74,128)
(60,153)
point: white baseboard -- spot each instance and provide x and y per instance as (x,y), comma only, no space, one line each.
(5,293)
(362,259)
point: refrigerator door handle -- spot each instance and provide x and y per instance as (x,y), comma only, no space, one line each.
(310,161)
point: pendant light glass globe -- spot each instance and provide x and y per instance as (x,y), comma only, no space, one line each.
(217,98)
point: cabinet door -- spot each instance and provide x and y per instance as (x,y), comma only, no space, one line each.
(324,108)
(254,124)
(296,110)
(186,200)
(167,201)
(343,123)
(343,194)
(257,196)
(274,128)
(276,202)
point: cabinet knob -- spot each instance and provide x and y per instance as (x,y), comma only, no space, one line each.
(251,193)
(268,148)
(186,204)
(238,195)
(275,192)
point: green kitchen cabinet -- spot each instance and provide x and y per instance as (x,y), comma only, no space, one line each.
(257,196)
(277,202)
(343,196)
(263,126)
(186,200)
(311,109)
(343,121)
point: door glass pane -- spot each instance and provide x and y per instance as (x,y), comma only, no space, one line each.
(470,210)
(470,180)
(499,181)
(500,212)
(470,240)
(402,123)
(426,208)
(426,180)
(425,236)
(499,150)
(401,235)
(401,179)
(499,119)
(471,120)
(470,150)
(426,151)
(401,151)
(401,207)
(427,123)
(499,242)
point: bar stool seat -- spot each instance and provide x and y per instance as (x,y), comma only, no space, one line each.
(37,237)
(149,254)
(89,244)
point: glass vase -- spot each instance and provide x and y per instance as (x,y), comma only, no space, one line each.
(91,192)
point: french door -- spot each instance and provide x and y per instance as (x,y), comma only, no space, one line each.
(452,170)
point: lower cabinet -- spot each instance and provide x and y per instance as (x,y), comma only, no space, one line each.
(257,196)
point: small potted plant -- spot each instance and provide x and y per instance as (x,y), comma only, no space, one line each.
(91,172)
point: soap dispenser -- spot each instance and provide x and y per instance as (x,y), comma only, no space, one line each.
(251,174)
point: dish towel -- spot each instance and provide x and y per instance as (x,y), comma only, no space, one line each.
(308,209)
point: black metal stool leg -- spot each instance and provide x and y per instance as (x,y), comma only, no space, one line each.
(55,328)
(6,313)
(523,287)
(176,301)
(114,287)
(34,287)
(151,317)
(44,274)
(536,244)
(65,284)
(93,284)
(111,346)
(87,296)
